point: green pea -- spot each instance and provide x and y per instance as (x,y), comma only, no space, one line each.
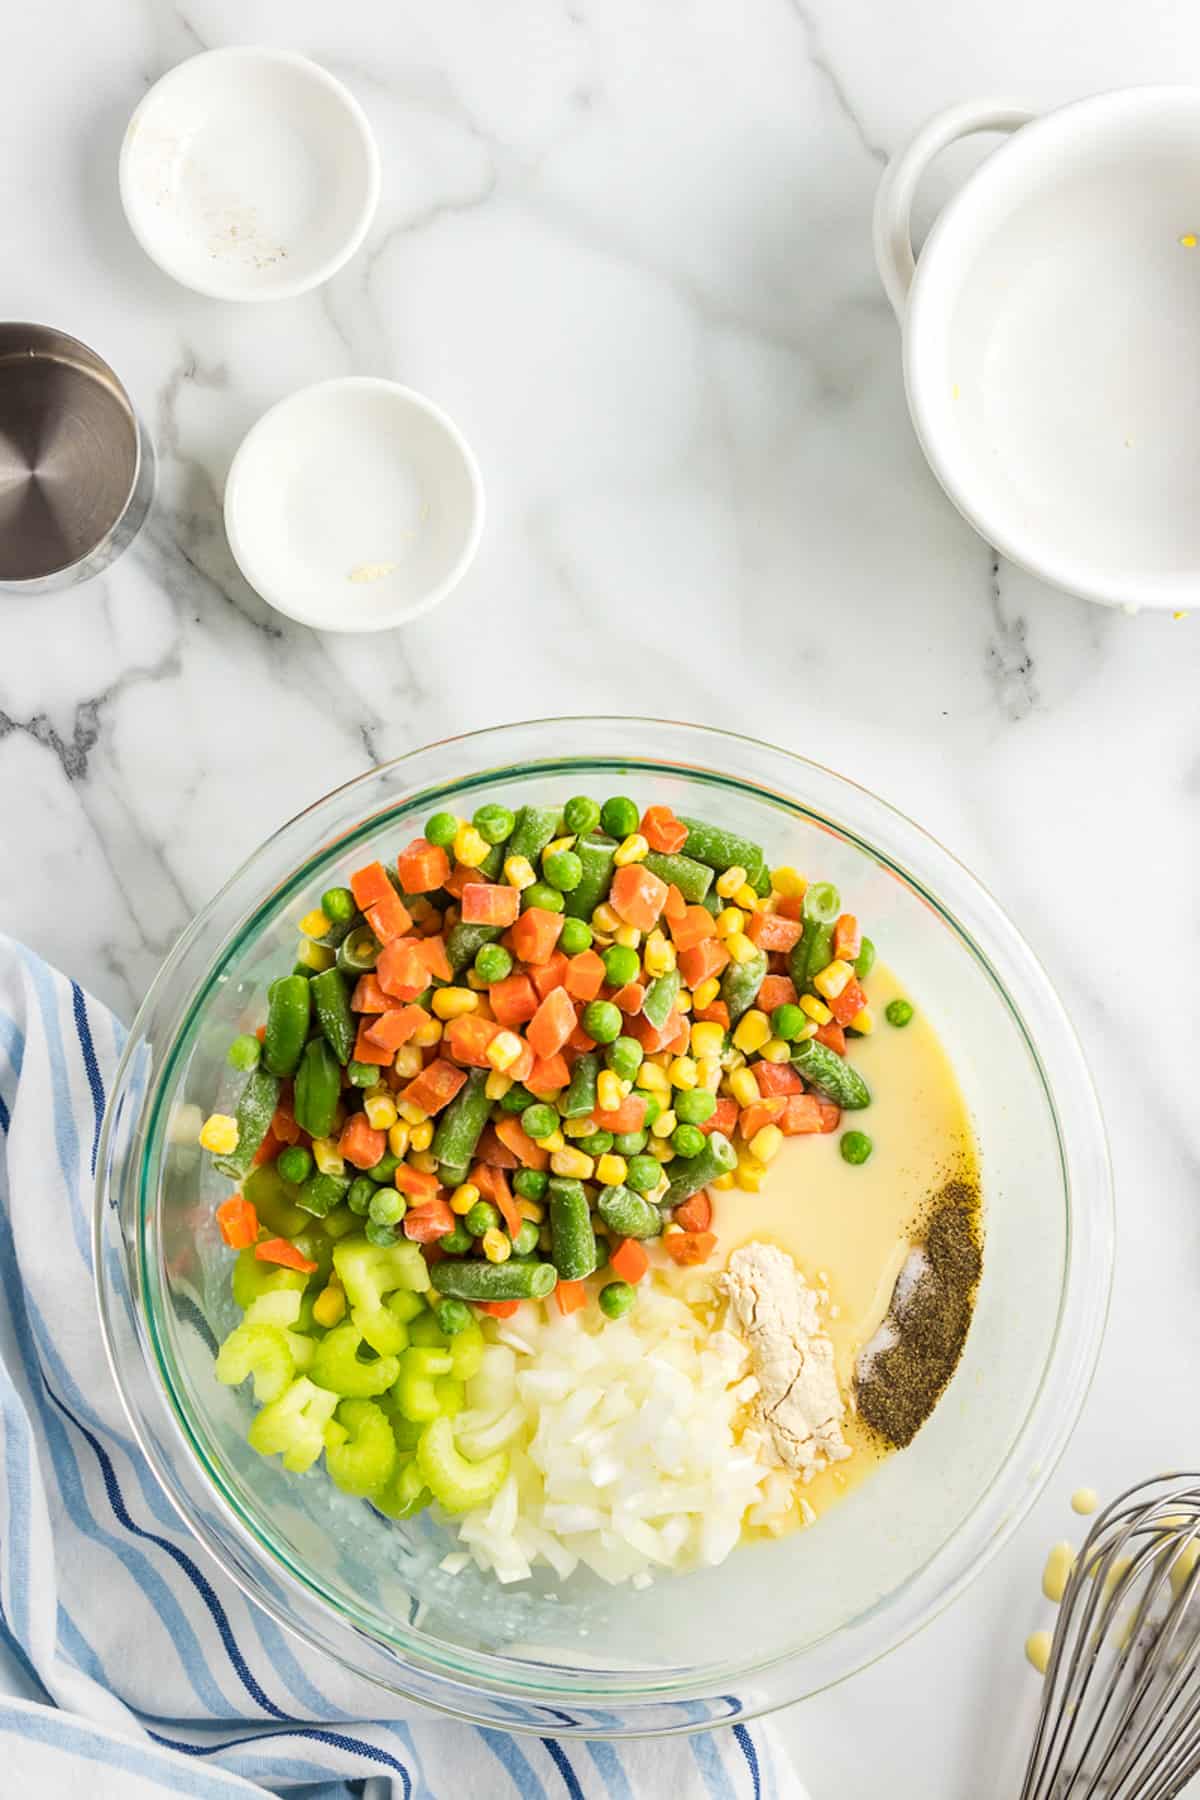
(616,1298)
(387,1206)
(441,829)
(694,1106)
(493,963)
(457,1242)
(596,1143)
(244,1053)
(363,1074)
(482,1217)
(531,1184)
(643,1174)
(295,1164)
(687,1140)
(516,1099)
(339,905)
(788,1021)
(619,816)
(380,1235)
(898,1012)
(526,1240)
(382,1171)
(540,893)
(602,1021)
(493,823)
(575,937)
(539,1120)
(856,1146)
(452,1316)
(621,965)
(653,1107)
(624,1057)
(581,815)
(630,1143)
(864,962)
(360,1195)
(562,869)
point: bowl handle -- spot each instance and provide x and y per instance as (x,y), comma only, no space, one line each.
(893,202)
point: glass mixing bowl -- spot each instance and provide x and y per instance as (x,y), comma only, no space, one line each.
(778,1620)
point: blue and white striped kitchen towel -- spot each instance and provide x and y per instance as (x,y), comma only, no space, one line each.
(128,1665)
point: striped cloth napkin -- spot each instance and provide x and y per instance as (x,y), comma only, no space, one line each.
(128,1665)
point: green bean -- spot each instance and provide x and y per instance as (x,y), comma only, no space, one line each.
(814,947)
(466,941)
(596,856)
(831,1075)
(255,1110)
(722,849)
(318,1088)
(287,1024)
(321,1193)
(574,1241)
(331,1003)
(535,827)
(692,878)
(716,1159)
(358,951)
(461,1125)
(580,1097)
(661,996)
(479,1280)
(628,1214)
(762,886)
(864,962)
(740,983)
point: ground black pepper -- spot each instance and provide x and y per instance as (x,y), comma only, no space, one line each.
(902,1384)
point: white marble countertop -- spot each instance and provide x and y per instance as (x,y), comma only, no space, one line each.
(627,245)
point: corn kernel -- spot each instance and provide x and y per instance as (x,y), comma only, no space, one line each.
(504,1050)
(664,1125)
(708,1072)
(683,1001)
(789,882)
(531,1210)
(634,849)
(575,1163)
(682,1072)
(608,1091)
(730,881)
(628,936)
(398,1138)
(747,899)
(741,948)
(731,1059)
(864,1021)
(750,1174)
(381,1111)
(729,920)
(724,1182)
(816,1009)
(606,918)
(653,1077)
(497,1085)
(408,1061)
(554,1143)
(329,1306)
(219,1133)
(672,1230)
(454,1002)
(328,1157)
(463,1198)
(661,1148)
(314,956)
(557,844)
(314,924)
(411,1113)
(752,1031)
(708,1039)
(574,1128)
(658,1192)
(424,1160)
(658,955)
(497,1247)
(833,978)
(808,1031)
(421,1135)
(743,1087)
(518,872)
(776,1050)
(766,1143)
(704,995)
(611,1170)
(470,848)
(475,981)
(427,1034)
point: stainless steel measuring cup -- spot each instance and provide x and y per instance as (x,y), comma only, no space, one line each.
(76,464)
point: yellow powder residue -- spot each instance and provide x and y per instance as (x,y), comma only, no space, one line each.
(371,571)
(1057,1571)
(1188,240)
(1084,1500)
(1183,1565)
(1037,1649)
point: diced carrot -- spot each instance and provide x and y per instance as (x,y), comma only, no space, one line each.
(368,996)
(283,1123)
(791,906)
(751,1119)
(434,1087)
(393,1028)
(501,1197)
(846,1005)
(585,976)
(695,924)
(777,1078)
(514,1137)
(268,1150)
(519,1071)
(662,830)
(433,954)
(569,1296)
(430,1220)
(467,1039)
(238,1222)
(715,1013)
(458,878)
(776,990)
(402,970)
(706,958)
(370,885)
(629,1116)
(847,938)
(360,1143)
(514,1000)
(688,1247)
(772,931)
(650,1037)
(488,903)
(422,867)
(695,1214)
(674,906)
(723,1118)
(389,918)
(536,933)
(497,1155)
(278,1250)
(833,1038)
(629,1260)
(420,1186)
(831,1115)
(498,1309)
(579,1041)
(367,1052)
(629,998)
(552,1023)
(550,974)
(677,1042)
(548,1074)
(638,896)
(801,1114)
(260,1032)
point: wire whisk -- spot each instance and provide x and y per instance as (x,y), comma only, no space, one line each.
(1120,1716)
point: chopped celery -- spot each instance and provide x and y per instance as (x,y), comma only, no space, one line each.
(260,1350)
(336,1365)
(407,1432)
(318,1248)
(416,1389)
(405,1304)
(457,1484)
(451,1395)
(280,1306)
(303,1350)
(274,1200)
(466,1352)
(406,1492)
(369,1271)
(294,1424)
(386,1334)
(427,1332)
(250,1278)
(360,1451)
